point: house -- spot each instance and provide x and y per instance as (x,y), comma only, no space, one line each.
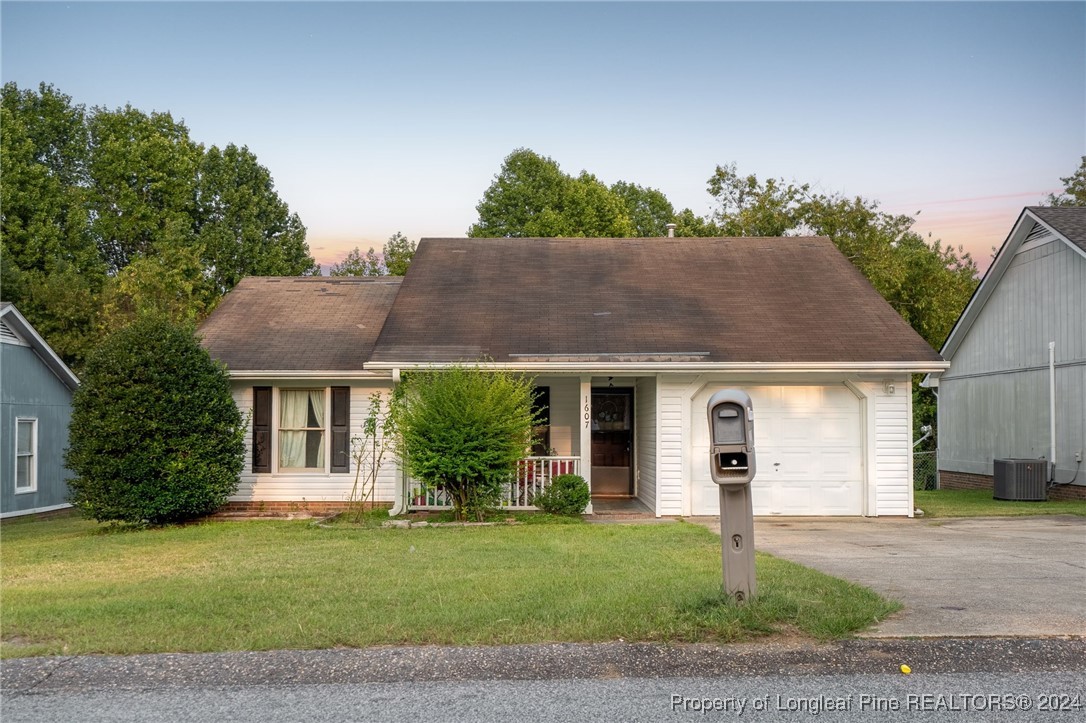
(995,401)
(35,407)
(626,340)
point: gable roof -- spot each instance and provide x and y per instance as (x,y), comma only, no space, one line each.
(299,324)
(14,321)
(624,302)
(1066,223)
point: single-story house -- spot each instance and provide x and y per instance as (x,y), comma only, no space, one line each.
(1019,347)
(35,407)
(626,339)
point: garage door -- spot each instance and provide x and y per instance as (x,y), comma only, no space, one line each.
(808,447)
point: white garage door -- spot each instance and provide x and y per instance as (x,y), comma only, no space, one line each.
(807,446)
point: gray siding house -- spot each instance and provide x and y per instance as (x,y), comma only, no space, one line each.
(35,408)
(995,400)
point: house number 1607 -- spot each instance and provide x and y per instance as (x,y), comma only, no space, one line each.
(587,412)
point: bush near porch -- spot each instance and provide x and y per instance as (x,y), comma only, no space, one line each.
(72,587)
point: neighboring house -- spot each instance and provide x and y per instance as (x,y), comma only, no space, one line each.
(627,339)
(994,401)
(35,408)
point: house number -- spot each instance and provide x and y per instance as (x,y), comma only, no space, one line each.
(587,412)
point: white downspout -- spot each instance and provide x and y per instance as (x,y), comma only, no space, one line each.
(1052,406)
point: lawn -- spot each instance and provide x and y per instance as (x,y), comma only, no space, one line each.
(979,503)
(70,586)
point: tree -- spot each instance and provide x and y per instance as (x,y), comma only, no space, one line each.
(647,208)
(397,254)
(463,431)
(155,435)
(242,225)
(531,196)
(87,193)
(1074,191)
(394,259)
(143,183)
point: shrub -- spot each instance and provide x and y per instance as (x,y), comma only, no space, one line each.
(463,430)
(567,494)
(155,436)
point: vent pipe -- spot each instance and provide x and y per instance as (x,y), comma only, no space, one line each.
(671,230)
(1052,406)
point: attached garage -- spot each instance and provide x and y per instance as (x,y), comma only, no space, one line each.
(809,447)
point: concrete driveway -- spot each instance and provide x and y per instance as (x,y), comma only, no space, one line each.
(1006,576)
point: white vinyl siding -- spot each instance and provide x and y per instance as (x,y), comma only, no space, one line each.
(671,446)
(893,451)
(645,429)
(26,454)
(310,485)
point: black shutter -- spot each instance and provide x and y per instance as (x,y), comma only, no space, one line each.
(262,413)
(341,433)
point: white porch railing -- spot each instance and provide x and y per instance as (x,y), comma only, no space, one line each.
(533,475)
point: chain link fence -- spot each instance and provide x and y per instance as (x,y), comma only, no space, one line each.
(924,466)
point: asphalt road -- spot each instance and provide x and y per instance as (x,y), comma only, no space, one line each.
(980,679)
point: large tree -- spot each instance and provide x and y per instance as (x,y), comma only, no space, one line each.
(531,196)
(87,194)
(242,225)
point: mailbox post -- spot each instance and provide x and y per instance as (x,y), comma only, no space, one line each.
(732,466)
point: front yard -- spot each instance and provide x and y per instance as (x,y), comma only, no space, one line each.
(70,586)
(979,503)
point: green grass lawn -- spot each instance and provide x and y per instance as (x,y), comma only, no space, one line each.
(70,586)
(979,503)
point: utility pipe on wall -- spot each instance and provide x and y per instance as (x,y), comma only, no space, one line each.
(1052,407)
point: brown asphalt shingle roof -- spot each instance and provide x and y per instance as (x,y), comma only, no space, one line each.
(1068,220)
(792,299)
(299,323)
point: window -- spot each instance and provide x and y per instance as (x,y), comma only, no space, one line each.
(304,438)
(541,409)
(26,457)
(301,429)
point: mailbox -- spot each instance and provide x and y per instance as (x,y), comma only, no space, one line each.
(732,467)
(731,433)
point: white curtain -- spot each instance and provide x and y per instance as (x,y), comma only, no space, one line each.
(296,407)
(316,408)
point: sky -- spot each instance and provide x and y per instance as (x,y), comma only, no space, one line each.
(375,118)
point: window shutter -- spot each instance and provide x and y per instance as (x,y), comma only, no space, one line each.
(262,419)
(341,433)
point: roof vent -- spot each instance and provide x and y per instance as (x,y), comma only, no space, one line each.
(1022,480)
(671,230)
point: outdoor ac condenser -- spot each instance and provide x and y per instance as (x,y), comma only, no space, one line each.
(1023,480)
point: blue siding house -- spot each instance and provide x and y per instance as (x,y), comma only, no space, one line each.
(35,408)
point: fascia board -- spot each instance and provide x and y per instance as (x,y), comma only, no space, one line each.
(910,367)
(306,374)
(39,345)
(989,282)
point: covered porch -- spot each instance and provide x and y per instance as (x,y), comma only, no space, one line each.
(602,428)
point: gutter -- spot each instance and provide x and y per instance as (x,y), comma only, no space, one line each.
(307,374)
(915,367)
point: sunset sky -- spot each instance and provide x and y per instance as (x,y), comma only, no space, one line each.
(379,117)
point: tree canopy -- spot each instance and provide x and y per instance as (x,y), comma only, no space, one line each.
(108,211)
(393,260)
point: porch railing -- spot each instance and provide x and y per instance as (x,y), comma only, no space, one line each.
(533,475)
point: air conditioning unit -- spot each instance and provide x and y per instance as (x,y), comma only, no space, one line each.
(1023,480)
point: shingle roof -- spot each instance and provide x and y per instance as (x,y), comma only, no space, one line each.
(629,300)
(304,323)
(1068,220)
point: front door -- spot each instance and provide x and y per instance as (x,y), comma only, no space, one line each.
(612,441)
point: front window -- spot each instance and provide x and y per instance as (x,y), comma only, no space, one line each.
(26,446)
(301,429)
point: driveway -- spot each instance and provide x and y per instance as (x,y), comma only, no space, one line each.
(1005,576)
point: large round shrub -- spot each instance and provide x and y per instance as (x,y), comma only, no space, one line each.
(155,436)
